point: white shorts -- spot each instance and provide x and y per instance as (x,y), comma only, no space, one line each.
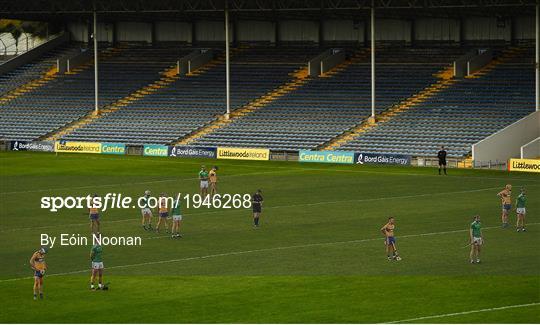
(97,265)
(146,211)
(204,184)
(177,218)
(477,241)
(520,210)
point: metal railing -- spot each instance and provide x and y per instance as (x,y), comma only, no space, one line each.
(284,155)
(460,163)
(9,47)
(491,164)
(434,162)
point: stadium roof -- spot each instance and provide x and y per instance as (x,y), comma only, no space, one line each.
(256,9)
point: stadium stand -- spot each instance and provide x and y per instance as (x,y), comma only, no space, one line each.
(71,96)
(307,116)
(34,70)
(191,102)
(326,107)
(460,115)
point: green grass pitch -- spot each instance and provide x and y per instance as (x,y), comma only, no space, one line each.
(318,256)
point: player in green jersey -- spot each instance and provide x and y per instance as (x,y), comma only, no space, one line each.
(203,178)
(476,238)
(177,218)
(145,211)
(97,266)
(520,210)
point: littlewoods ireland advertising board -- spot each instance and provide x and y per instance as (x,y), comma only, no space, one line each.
(333,157)
(90,147)
(77,147)
(524,165)
(243,153)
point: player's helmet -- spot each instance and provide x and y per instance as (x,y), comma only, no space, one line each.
(43,250)
(147,192)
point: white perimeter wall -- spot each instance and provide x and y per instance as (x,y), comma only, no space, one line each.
(531,150)
(506,143)
(436,29)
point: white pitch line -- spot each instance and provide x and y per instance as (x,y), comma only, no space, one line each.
(366,240)
(233,253)
(463,313)
(282,206)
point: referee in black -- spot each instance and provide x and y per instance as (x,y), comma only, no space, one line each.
(442,159)
(256,202)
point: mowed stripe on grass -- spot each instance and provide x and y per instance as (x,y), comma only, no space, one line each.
(253,251)
(280,299)
(284,206)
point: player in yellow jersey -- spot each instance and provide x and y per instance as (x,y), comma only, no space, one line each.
(37,263)
(506,199)
(163,213)
(390,241)
(212,177)
(94,216)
